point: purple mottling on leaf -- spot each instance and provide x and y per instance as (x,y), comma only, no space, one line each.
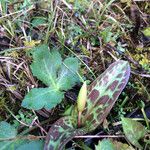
(56,133)
(98,110)
(92,85)
(116,94)
(94,95)
(115,64)
(126,73)
(113,85)
(103,100)
(119,75)
(105,79)
(124,80)
(90,117)
(120,86)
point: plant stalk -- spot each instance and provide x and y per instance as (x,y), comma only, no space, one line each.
(79,119)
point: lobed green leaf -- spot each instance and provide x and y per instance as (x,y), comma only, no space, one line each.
(67,75)
(58,75)
(45,65)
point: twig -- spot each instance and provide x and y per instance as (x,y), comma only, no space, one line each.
(69,6)
(29,137)
(13,49)
(141,74)
(16,117)
(11,14)
(100,136)
(115,58)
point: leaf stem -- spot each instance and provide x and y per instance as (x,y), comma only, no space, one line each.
(79,119)
(80,77)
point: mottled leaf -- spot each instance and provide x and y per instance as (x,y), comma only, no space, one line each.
(58,75)
(105,144)
(61,132)
(104,92)
(102,95)
(133,130)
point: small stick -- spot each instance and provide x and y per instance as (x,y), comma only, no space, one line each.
(100,136)
(79,119)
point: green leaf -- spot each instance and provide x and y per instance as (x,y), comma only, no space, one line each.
(58,75)
(122,146)
(102,95)
(18,144)
(67,75)
(133,130)
(105,144)
(104,92)
(38,21)
(106,35)
(32,145)
(6,131)
(45,65)
(38,98)
(9,140)
(146,31)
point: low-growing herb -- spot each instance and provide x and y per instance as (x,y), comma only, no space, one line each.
(58,75)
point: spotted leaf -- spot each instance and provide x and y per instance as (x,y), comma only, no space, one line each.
(61,132)
(104,91)
(102,95)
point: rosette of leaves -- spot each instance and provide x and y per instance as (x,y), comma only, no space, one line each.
(102,95)
(58,75)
